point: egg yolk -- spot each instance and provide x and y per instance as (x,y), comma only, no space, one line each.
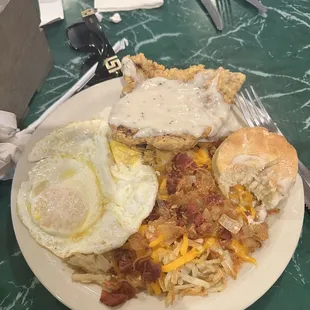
(123,154)
(59,211)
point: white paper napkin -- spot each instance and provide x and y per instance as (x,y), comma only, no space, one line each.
(12,141)
(8,125)
(50,11)
(11,144)
(126,5)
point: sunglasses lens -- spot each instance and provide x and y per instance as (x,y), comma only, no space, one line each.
(81,39)
(84,37)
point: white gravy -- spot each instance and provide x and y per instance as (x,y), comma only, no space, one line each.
(243,158)
(160,106)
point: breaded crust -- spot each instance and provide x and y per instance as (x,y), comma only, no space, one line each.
(167,142)
(228,84)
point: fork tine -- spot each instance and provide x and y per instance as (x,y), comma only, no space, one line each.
(247,110)
(241,102)
(252,109)
(268,122)
(260,118)
(229,14)
(224,8)
(254,112)
(260,104)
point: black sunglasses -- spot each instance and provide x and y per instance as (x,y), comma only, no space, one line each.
(88,37)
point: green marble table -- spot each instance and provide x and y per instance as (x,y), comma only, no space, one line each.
(273,52)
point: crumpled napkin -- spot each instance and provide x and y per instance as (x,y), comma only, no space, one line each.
(50,11)
(12,140)
(126,5)
(11,144)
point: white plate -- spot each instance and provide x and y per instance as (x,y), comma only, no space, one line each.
(252,281)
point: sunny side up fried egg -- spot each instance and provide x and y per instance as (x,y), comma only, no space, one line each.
(84,194)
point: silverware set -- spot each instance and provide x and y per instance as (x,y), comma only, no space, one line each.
(216,9)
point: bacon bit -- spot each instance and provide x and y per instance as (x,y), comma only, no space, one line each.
(172,183)
(118,296)
(149,270)
(214,199)
(191,211)
(205,228)
(199,219)
(196,220)
(225,237)
(180,223)
(154,215)
(124,259)
(224,234)
(183,161)
(273,211)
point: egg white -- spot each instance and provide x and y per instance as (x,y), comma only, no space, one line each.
(78,198)
(86,141)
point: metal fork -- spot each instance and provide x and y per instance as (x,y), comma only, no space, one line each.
(225,9)
(261,8)
(255,114)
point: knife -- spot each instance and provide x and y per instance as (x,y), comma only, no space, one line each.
(210,6)
(261,8)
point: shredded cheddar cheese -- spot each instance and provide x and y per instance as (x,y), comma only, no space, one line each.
(239,188)
(155,253)
(157,241)
(241,252)
(156,288)
(242,211)
(184,246)
(201,158)
(162,193)
(233,197)
(239,195)
(253,212)
(155,257)
(142,229)
(163,184)
(209,243)
(189,256)
(246,198)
